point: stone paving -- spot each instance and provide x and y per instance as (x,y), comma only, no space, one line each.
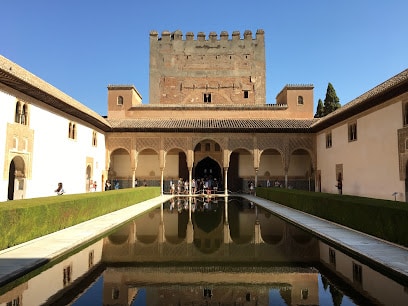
(386,255)
(18,260)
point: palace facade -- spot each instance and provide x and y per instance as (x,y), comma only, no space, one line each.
(207,119)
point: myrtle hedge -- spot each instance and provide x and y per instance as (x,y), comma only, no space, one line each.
(27,219)
(384,219)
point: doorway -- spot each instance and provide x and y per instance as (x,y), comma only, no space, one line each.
(207,168)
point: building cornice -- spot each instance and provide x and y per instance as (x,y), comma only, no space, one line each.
(16,77)
(384,92)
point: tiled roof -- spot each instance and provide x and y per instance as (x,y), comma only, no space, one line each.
(24,81)
(385,91)
(211,125)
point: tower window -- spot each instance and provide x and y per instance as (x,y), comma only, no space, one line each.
(120,100)
(207,98)
(300,100)
(246,94)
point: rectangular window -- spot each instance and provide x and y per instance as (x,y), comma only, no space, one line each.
(94,139)
(304,294)
(207,147)
(246,94)
(357,273)
(329,140)
(207,98)
(115,293)
(91,259)
(352,131)
(119,100)
(67,275)
(332,256)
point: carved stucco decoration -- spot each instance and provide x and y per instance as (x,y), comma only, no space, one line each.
(115,143)
(181,143)
(241,143)
(148,143)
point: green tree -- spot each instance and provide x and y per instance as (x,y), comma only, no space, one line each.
(331,102)
(320,109)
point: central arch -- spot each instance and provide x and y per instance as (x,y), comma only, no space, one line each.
(208,168)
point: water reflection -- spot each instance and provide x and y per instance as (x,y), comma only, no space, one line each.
(201,230)
(207,251)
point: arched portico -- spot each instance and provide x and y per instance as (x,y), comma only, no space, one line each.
(120,168)
(241,170)
(236,159)
(271,167)
(300,170)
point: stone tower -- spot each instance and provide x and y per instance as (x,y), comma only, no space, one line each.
(213,70)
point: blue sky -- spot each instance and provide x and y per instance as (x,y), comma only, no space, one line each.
(81,46)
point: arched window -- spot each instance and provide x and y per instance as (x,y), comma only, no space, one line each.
(18,112)
(300,100)
(21,114)
(120,100)
(24,115)
(94,139)
(72,133)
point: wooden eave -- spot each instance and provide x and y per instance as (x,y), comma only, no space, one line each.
(23,81)
(382,93)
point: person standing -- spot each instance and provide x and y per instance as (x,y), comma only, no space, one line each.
(340,183)
(60,189)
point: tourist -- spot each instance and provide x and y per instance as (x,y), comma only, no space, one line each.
(268,183)
(108,185)
(193,186)
(59,190)
(339,184)
(251,187)
(136,182)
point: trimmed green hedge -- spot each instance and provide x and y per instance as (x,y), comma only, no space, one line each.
(27,219)
(384,219)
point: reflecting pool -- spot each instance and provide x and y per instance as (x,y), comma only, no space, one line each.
(206,251)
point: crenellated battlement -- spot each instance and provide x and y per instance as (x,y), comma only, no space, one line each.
(216,68)
(201,36)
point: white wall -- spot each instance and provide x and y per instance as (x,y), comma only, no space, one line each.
(55,157)
(371,163)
